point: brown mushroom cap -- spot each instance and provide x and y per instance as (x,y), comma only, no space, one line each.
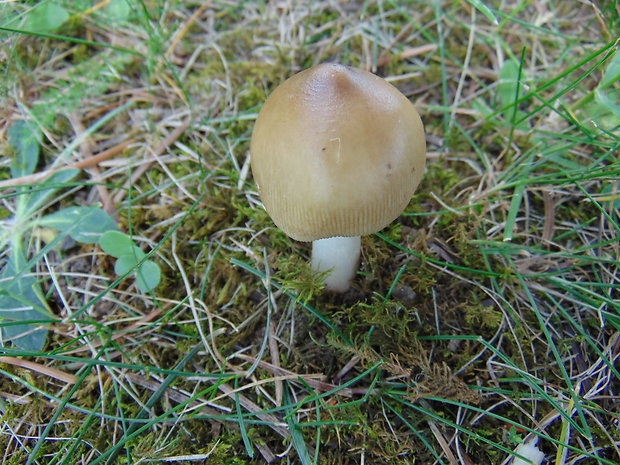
(336,151)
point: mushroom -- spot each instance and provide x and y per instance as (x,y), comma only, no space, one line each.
(336,153)
(529,451)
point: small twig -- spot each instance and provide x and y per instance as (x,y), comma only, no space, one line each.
(178,396)
(82,164)
(385,56)
(37,367)
(275,359)
(407,53)
(443,443)
(19,400)
(183,31)
(310,379)
(272,421)
(348,367)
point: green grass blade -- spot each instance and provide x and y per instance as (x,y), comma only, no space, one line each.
(299,442)
(249,449)
(75,40)
(513,211)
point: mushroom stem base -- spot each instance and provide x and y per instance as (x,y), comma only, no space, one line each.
(341,256)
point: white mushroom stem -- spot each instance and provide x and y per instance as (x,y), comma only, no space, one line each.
(340,256)
(529,451)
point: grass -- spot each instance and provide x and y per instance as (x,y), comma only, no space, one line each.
(486,316)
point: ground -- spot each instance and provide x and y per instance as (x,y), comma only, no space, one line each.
(152,312)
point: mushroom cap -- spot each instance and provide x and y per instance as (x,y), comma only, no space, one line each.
(336,151)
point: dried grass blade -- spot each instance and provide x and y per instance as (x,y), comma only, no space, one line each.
(89,162)
(38,368)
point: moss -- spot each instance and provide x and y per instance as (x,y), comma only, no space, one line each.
(415,333)
(296,276)
(392,321)
(483,315)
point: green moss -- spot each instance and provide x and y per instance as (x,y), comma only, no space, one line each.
(296,276)
(484,316)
